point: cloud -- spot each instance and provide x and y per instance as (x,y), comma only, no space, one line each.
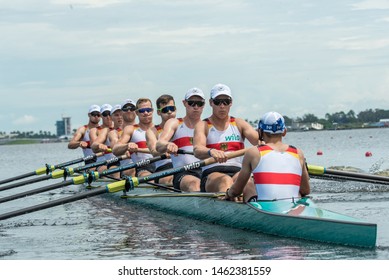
(357,43)
(371,5)
(25,120)
(88,3)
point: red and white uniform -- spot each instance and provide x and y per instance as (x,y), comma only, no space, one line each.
(139,138)
(183,138)
(228,140)
(278,174)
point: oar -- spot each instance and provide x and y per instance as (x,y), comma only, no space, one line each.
(63,173)
(92,176)
(116,186)
(48,168)
(353,176)
(186,194)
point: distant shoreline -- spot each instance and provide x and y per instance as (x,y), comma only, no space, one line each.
(27,141)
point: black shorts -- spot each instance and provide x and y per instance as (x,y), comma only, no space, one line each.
(178,177)
(166,166)
(228,170)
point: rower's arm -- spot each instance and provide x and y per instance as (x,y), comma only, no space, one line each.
(121,146)
(305,186)
(98,145)
(151,140)
(75,142)
(250,159)
(248,132)
(163,142)
(200,149)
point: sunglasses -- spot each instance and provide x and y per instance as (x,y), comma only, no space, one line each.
(129,108)
(218,102)
(95,114)
(193,103)
(106,113)
(167,109)
(145,110)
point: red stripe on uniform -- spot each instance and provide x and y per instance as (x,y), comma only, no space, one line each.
(142,144)
(227,146)
(183,142)
(265,148)
(277,178)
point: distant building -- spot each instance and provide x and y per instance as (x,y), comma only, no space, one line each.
(63,127)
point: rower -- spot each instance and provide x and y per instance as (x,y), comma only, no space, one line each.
(279,169)
(108,136)
(134,137)
(166,109)
(218,135)
(81,136)
(178,134)
(129,115)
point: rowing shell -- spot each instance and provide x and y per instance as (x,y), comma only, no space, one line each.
(297,219)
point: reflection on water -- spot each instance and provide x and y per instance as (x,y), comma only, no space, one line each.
(102,228)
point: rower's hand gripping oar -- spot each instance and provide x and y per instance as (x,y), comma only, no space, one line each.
(48,168)
(345,175)
(116,186)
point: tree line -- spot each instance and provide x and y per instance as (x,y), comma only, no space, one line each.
(339,119)
(31,134)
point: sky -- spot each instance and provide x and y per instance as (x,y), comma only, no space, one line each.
(57,57)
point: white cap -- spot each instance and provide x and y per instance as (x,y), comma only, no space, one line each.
(105,107)
(272,122)
(115,108)
(94,108)
(128,101)
(220,89)
(194,92)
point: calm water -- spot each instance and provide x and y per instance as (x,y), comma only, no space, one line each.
(100,228)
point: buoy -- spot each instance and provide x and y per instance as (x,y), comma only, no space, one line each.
(368,154)
(319,153)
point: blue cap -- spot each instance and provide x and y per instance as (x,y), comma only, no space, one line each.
(272,122)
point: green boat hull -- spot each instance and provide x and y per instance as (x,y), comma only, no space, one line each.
(299,219)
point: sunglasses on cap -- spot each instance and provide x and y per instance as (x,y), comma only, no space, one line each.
(193,103)
(94,114)
(218,102)
(166,109)
(145,110)
(131,108)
